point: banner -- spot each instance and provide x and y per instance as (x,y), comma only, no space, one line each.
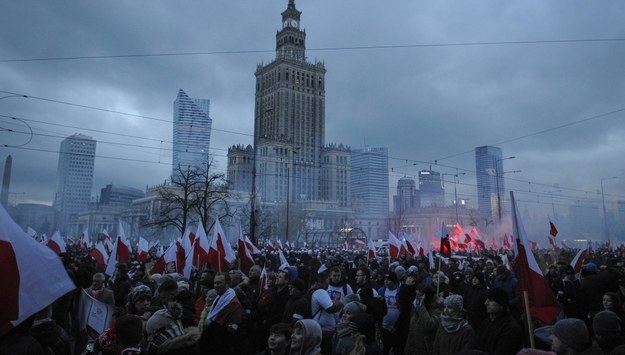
(93,313)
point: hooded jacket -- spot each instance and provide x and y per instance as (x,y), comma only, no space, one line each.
(311,344)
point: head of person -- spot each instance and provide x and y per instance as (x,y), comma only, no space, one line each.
(362,327)
(453,306)
(607,328)
(283,278)
(254,273)
(439,278)
(211,295)
(350,309)
(323,278)
(400,272)
(221,282)
(236,276)
(496,301)
(363,275)
(128,331)
(306,337)
(121,270)
(570,335)
(390,281)
(97,281)
(478,279)
(139,299)
(611,301)
(167,290)
(425,295)
(271,280)
(279,339)
(468,275)
(569,272)
(335,276)
(502,272)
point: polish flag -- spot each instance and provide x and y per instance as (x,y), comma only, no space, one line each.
(84,241)
(467,238)
(187,240)
(506,243)
(108,243)
(494,244)
(120,252)
(428,251)
(269,247)
(552,242)
(220,253)
(445,248)
(578,260)
(552,229)
(201,246)
(458,229)
(188,262)
(371,254)
(246,261)
(171,261)
(278,245)
(32,275)
(100,255)
(543,304)
(283,262)
(251,247)
(143,250)
(394,246)
(411,250)
(57,243)
(473,232)
(263,287)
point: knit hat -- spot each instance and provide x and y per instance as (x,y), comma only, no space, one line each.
(607,325)
(400,271)
(413,268)
(591,267)
(354,307)
(352,297)
(140,291)
(573,333)
(468,270)
(455,302)
(498,295)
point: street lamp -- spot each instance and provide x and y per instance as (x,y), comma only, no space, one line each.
(605,218)
(455,190)
(497,184)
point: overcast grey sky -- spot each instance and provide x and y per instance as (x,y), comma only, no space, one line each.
(437,79)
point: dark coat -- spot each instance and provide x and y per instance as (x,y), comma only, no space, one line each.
(423,326)
(499,335)
(450,342)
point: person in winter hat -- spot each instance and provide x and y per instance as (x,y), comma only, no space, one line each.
(570,336)
(500,333)
(454,332)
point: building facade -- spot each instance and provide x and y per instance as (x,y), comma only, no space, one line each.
(490,186)
(431,192)
(240,166)
(191,133)
(407,197)
(74,178)
(336,175)
(289,120)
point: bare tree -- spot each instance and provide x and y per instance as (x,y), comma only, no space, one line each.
(211,188)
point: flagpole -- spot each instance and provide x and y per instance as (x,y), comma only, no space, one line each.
(438,284)
(530,330)
(218,259)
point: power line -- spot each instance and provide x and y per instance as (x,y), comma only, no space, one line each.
(319,49)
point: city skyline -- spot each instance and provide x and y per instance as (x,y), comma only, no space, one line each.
(429,105)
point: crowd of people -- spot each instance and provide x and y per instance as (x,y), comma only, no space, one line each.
(335,302)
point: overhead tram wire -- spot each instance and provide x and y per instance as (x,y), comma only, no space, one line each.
(319,49)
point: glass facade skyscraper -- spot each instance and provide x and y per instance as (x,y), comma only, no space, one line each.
(74,178)
(431,191)
(490,187)
(370,180)
(192,132)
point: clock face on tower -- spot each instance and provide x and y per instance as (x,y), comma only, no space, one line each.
(293,23)
(286,23)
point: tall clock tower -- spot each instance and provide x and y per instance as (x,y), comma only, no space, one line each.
(289,119)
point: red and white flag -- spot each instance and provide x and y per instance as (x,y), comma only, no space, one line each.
(263,280)
(32,276)
(187,240)
(283,262)
(220,253)
(278,245)
(171,261)
(251,247)
(84,241)
(245,256)
(458,230)
(100,255)
(143,250)
(543,304)
(394,246)
(578,260)
(553,231)
(188,262)
(201,246)
(371,254)
(120,252)
(57,243)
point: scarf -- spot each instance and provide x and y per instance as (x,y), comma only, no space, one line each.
(95,293)
(452,325)
(220,303)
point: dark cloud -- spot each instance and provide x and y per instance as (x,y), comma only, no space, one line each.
(428,105)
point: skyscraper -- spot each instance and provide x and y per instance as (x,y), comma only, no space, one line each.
(370,180)
(74,178)
(192,132)
(431,191)
(490,187)
(407,197)
(289,119)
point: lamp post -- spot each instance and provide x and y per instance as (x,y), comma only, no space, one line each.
(455,190)
(605,217)
(553,206)
(497,174)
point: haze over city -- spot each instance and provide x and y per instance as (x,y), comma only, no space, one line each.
(429,80)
